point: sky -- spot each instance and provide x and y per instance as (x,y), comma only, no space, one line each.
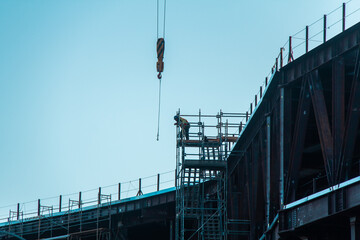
(79,92)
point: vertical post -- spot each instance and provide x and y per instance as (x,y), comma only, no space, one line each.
(343,17)
(139,192)
(268,149)
(354,229)
(266,81)
(60,203)
(119,191)
(290,56)
(99,196)
(255,100)
(251,108)
(171,230)
(18,211)
(307,39)
(39,207)
(324,27)
(281,57)
(260,92)
(247,116)
(281,179)
(314,185)
(158,182)
(240,127)
(79,205)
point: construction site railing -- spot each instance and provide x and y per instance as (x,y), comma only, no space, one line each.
(306,39)
(68,202)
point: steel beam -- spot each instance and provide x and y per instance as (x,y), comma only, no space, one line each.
(297,146)
(322,122)
(346,42)
(336,202)
(352,119)
(281,176)
(338,111)
(268,149)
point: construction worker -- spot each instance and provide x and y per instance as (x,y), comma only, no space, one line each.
(184,125)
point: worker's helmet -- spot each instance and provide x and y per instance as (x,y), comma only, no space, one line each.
(176,117)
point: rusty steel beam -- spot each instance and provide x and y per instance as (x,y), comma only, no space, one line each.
(322,122)
(352,119)
(301,121)
(338,111)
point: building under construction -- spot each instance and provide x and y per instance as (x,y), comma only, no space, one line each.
(286,169)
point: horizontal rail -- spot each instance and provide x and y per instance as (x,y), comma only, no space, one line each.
(92,197)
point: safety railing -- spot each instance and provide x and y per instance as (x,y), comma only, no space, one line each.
(298,44)
(207,130)
(93,197)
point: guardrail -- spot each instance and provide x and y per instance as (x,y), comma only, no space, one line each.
(303,41)
(92,197)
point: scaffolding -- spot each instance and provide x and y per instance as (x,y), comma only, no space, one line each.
(201,174)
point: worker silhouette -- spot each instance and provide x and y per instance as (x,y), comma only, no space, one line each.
(184,125)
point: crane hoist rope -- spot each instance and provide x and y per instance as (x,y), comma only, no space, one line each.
(160,48)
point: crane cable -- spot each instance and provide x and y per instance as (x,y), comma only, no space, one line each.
(160,47)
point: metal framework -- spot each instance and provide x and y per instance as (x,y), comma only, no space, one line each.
(201,175)
(298,174)
(100,217)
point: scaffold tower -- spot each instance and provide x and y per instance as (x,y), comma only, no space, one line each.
(201,172)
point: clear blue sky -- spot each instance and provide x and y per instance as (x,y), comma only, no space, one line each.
(78,86)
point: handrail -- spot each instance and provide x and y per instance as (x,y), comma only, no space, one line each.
(106,194)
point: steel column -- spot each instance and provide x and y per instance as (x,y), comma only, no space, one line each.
(281,176)
(268,158)
(338,111)
(354,229)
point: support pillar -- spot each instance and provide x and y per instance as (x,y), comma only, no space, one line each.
(171,230)
(268,148)
(354,229)
(281,175)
